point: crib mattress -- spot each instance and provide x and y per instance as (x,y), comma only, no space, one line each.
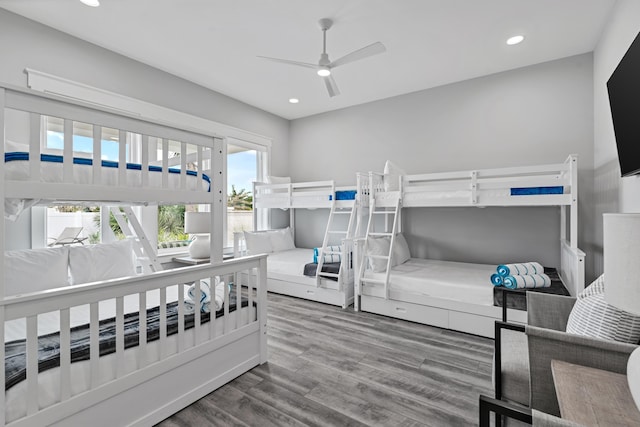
(464,282)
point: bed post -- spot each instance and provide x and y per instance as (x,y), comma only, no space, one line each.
(2,267)
(573,170)
(219,199)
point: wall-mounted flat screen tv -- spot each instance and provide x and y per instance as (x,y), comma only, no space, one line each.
(624,99)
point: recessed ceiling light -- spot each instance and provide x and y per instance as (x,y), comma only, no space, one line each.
(294,100)
(92,3)
(515,40)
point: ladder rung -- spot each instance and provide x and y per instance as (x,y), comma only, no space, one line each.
(331,252)
(382,282)
(336,232)
(342,212)
(323,274)
(384,212)
(380,234)
(378,256)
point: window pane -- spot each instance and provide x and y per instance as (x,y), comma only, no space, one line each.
(242,170)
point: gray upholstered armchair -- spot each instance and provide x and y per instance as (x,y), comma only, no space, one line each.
(522,366)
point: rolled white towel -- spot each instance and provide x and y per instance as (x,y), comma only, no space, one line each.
(520,269)
(527,281)
(205,295)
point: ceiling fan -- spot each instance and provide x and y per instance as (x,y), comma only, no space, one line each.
(325,66)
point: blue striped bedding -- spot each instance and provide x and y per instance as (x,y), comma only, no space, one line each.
(52,158)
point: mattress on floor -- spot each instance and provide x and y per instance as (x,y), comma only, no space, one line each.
(464,282)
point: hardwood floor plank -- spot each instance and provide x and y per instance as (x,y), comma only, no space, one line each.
(301,408)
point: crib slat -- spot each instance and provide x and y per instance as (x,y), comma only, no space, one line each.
(32,365)
(34,146)
(200,163)
(142,330)
(181,337)
(163,322)
(250,276)
(65,355)
(196,317)
(120,367)
(67,152)
(122,160)
(183,166)
(225,319)
(145,160)
(165,163)
(212,317)
(94,345)
(97,155)
(236,283)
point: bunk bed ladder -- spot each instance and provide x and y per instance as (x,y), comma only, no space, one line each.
(132,229)
(334,213)
(388,258)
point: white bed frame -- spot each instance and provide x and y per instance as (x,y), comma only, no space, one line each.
(311,195)
(488,187)
(200,359)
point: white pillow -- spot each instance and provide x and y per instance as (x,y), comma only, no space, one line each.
(378,246)
(401,252)
(35,270)
(281,240)
(392,175)
(105,261)
(591,316)
(258,242)
(278,180)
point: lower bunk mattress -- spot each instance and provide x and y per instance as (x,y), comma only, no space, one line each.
(459,281)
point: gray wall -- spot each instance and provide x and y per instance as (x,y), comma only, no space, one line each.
(27,44)
(538,114)
(611,193)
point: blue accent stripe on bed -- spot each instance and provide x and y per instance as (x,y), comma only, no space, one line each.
(52,158)
(534,191)
(346,195)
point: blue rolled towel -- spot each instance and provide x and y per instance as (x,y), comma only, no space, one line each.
(528,281)
(496,279)
(520,269)
(327,257)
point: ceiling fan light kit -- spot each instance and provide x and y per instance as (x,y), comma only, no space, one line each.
(325,66)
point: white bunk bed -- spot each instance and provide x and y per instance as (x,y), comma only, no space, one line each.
(286,268)
(189,354)
(454,295)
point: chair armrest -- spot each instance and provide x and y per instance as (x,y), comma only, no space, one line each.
(546,345)
(540,419)
(548,311)
(499,407)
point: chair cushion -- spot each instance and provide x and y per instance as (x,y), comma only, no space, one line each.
(592,316)
(515,367)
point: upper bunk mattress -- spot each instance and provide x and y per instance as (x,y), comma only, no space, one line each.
(459,281)
(51,170)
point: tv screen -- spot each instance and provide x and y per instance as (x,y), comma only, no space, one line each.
(624,99)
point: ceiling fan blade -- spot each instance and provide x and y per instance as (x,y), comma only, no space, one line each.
(365,52)
(287,61)
(332,87)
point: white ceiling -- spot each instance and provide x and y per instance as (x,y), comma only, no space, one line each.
(215,43)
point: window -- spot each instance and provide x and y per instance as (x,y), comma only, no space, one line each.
(242,171)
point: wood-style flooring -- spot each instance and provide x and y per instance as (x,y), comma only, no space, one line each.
(334,367)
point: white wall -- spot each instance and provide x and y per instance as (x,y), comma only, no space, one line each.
(611,193)
(538,114)
(24,43)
